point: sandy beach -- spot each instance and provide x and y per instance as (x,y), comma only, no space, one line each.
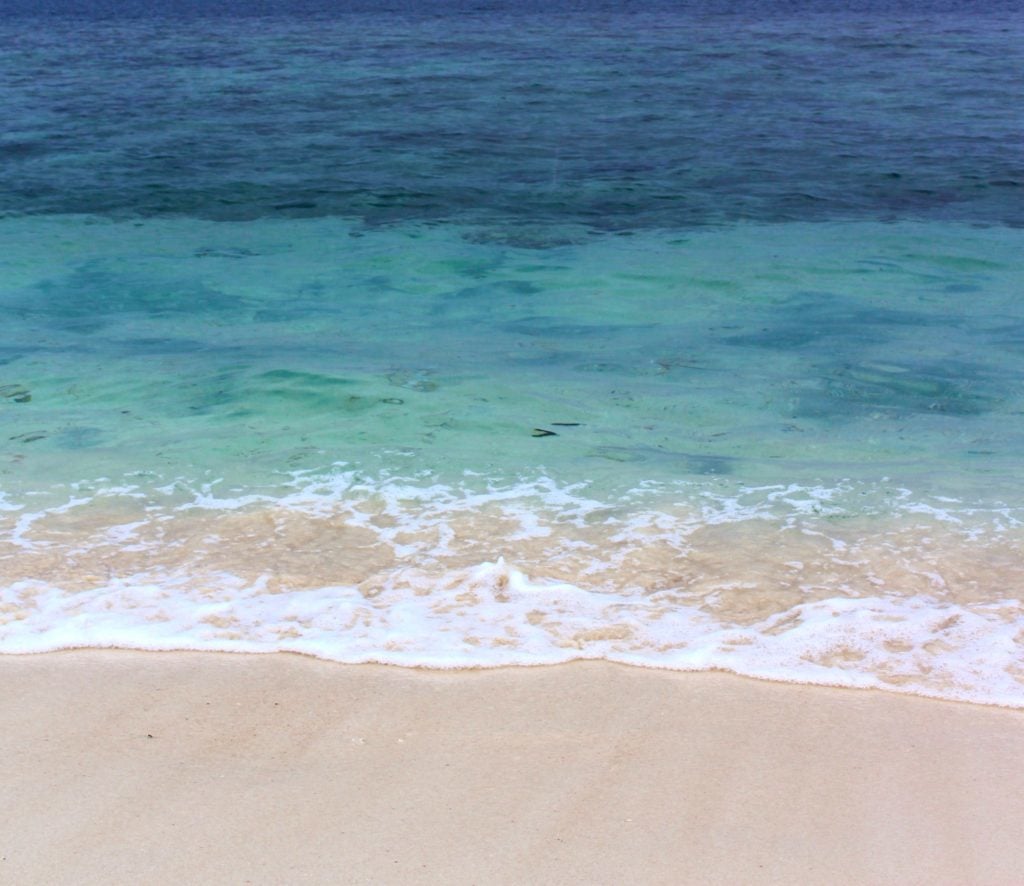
(124,767)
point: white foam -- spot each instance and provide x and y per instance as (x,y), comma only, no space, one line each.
(530,572)
(19,534)
(917,646)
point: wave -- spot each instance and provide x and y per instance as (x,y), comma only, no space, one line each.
(855,584)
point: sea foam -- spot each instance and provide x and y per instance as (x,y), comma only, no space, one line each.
(843,586)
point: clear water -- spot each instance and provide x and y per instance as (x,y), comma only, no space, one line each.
(687,338)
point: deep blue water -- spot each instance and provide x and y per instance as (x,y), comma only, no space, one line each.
(650,116)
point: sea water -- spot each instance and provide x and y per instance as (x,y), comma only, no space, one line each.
(491,334)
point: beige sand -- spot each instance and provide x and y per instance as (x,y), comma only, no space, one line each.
(192,768)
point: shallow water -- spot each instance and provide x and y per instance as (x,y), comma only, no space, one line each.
(445,341)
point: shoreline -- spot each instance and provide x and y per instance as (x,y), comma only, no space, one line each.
(212,767)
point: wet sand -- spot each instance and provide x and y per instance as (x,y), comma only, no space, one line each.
(123,767)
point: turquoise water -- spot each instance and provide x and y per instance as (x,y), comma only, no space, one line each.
(680,339)
(793,351)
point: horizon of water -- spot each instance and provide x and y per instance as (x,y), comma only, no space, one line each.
(670,337)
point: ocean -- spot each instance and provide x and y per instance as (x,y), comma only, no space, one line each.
(682,335)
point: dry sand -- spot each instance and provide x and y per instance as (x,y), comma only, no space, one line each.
(157,768)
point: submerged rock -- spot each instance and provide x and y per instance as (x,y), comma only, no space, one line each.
(954,389)
(15,393)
